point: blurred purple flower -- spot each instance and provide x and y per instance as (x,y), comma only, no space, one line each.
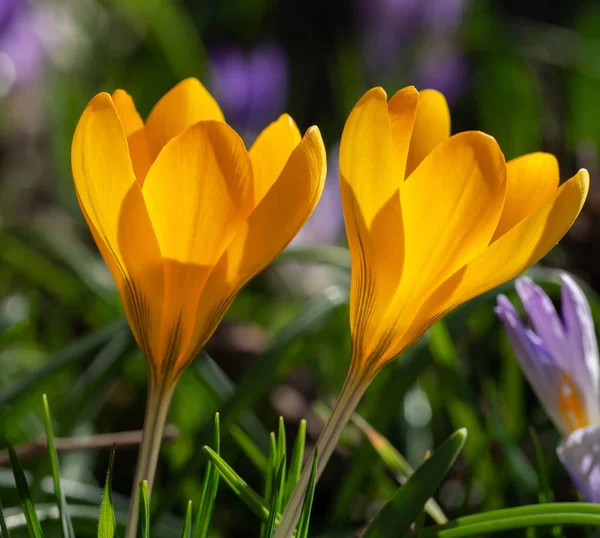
(326,223)
(251,87)
(559,357)
(22,53)
(444,69)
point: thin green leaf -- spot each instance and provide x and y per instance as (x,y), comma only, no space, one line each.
(522,517)
(304,520)
(277,499)
(187,524)
(209,488)
(107,526)
(293,475)
(144,506)
(238,485)
(65,519)
(3,527)
(33,524)
(396,517)
(396,463)
(270,477)
(254,453)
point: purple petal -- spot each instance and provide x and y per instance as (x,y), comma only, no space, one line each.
(580,455)
(537,365)
(580,338)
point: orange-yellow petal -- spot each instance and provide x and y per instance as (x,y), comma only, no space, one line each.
(198,193)
(450,205)
(372,214)
(531,180)
(432,126)
(112,203)
(271,151)
(403,110)
(135,132)
(517,249)
(185,104)
(269,229)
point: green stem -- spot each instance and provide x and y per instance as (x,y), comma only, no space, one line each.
(347,401)
(157,407)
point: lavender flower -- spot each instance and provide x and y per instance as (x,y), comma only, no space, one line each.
(251,87)
(559,357)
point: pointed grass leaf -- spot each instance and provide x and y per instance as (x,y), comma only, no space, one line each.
(252,500)
(304,520)
(144,510)
(396,517)
(187,524)
(209,488)
(3,527)
(33,524)
(107,526)
(65,520)
(276,500)
(293,474)
(270,477)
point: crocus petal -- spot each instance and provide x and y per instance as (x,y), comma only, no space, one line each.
(432,126)
(135,132)
(372,213)
(271,226)
(198,193)
(580,455)
(450,205)
(516,250)
(402,110)
(112,203)
(271,151)
(538,366)
(531,181)
(185,104)
(582,345)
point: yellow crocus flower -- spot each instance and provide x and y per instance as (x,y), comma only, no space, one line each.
(432,221)
(184,215)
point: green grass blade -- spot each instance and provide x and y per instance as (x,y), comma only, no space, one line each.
(238,485)
(249,447)
(293,474)
(65,520)
(107,526)
(396,517)
(304,520)
(187,525)
(3,527)
(522,517)
(277,499)
(144,506)
(270,477)
(33,524)
(209,487)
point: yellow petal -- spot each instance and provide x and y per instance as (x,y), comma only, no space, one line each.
(372,214)
(271,151)
(135,132)
(531,180)
(198,193)
(518,249)
(112,203)
(451,205)
(432,126)
(185,104)
(269,229)
(403,110)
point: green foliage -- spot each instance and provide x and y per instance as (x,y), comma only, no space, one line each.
(107,526)
(144,511)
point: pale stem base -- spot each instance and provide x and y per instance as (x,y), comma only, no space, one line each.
(350,395)
(157,407)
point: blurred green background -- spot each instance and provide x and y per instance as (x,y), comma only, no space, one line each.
(527,73)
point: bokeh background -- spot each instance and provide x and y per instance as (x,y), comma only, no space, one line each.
(527,73)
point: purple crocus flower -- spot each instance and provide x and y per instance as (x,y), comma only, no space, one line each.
(559,357)
(251,87)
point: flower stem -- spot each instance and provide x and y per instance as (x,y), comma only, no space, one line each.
(345,405)
(157,407)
